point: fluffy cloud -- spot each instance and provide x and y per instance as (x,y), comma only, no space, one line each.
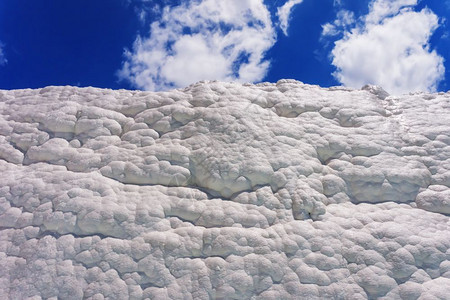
(199,40)
(380,9)
(284,12)
(390,47)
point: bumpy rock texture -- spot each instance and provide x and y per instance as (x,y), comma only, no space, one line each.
(224,191)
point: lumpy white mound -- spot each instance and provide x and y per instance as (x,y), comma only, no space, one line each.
(224,191)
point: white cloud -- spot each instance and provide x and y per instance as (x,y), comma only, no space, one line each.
(381,9)
(390,48)
(3,59)
(284,12)
(209,39)
(343,20)
(145,9)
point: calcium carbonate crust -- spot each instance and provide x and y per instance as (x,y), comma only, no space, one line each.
(224,191)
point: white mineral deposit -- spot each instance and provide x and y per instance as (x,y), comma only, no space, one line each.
(224,191)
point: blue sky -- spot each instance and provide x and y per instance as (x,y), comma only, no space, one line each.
(402,45)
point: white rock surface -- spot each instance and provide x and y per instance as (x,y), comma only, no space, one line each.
(224,191)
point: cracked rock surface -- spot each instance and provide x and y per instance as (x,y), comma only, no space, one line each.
(224,191)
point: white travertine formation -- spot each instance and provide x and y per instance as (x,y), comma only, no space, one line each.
(224,191)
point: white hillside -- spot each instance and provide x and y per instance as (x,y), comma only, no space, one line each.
(224,191)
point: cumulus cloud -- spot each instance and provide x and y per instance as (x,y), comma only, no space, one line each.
(389,47)
(199,40)
(380,9)
(284,12)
